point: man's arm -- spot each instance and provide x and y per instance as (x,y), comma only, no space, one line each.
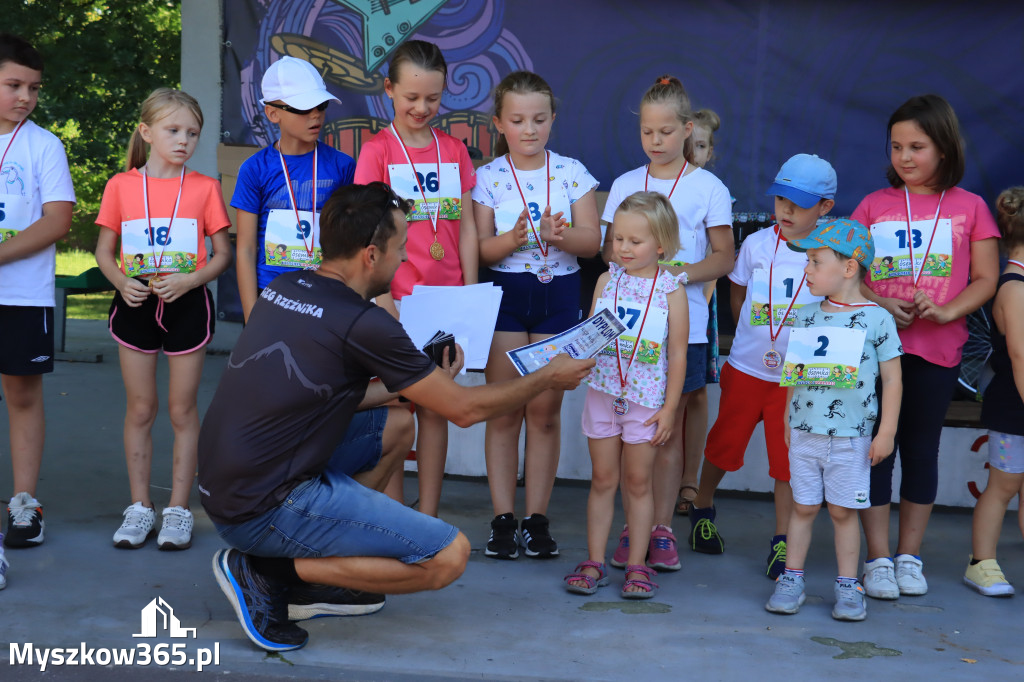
(465,406)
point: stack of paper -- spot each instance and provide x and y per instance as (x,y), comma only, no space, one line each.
(468,313)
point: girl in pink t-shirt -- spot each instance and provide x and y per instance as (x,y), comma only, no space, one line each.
(434,170)
(162,214)
(936,261)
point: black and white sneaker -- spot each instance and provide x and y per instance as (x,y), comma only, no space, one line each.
(24,522)
(260,603)
(311,600)
(536,539)
(502,543)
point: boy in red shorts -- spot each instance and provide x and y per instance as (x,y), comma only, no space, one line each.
(767,290)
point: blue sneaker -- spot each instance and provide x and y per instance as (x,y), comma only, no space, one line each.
(789,594)
(260,603)
(777,557)
(704,535)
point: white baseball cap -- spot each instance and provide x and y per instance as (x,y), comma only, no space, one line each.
(295,82)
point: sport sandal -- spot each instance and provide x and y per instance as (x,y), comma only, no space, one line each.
(592,583)
(648,588)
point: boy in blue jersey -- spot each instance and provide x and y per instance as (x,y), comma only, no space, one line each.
(281,188)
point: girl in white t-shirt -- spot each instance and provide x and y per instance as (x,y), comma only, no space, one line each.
(160,210)
(706,252)
(535,212)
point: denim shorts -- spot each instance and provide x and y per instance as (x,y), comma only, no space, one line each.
(696,367)
(331,515)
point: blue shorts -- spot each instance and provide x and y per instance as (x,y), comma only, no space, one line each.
(332,515)
(527,305)
(696,367)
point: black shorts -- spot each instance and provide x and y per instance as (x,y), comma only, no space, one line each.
(26,340)
(184,326)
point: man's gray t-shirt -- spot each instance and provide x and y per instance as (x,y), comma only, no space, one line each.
(293,381)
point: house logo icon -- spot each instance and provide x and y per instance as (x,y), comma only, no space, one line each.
(158,616)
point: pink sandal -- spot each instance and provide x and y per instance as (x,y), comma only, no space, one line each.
(649,588)
(592,583)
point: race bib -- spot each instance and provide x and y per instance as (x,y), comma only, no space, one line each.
(893,244)
(507,213)
(140,245)
(447,180)
(687,252)
(15,215)
(783,290)
(823,356)
(652,337)
(285,242)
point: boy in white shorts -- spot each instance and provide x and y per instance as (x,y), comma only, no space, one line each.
(832,413)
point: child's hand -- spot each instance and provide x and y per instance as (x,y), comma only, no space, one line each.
(519,234)
(134,292)
(172,287)
(665,417)
(881,447)
(785,435)
(902,311)
(552,226)
(929,310)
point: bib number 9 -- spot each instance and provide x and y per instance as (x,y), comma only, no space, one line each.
(303,230)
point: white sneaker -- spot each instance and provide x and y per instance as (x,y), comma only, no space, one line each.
(879,579)
(908,575)
(3,566)
(136,528)
(176,532)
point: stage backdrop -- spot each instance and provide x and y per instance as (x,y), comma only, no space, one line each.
(785,77)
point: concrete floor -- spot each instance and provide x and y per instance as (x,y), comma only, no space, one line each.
(501,620)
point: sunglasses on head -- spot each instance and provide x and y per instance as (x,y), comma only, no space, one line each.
(301,112)
(392,201)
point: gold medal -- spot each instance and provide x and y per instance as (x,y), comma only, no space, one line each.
(436,250)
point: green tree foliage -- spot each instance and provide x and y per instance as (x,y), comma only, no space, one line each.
(102,59)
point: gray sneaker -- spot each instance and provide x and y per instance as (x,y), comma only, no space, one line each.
(849,601)
(789,594)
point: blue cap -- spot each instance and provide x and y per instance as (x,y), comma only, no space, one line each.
(805,180)
(842,235)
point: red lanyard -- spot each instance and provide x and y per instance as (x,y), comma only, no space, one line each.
(547,178)
(11,142)
(647,174)
(636,342)
(149,223)
(1017,263)
(309,245)
(850,305)
(416,177)
(772,332)
(914,272)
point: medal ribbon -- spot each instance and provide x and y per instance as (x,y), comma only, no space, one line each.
(772,332)
(636,343)
(850,305)
(309,245)
(11,142)
(647,174)
(915,273)
(416,177)
(149,223)
(547,177)
(1017,263)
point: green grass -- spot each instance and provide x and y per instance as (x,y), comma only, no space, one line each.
(83,306)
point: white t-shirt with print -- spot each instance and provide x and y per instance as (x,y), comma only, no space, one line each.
(35,172)
(496,189)
(701,201)
(764,257)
